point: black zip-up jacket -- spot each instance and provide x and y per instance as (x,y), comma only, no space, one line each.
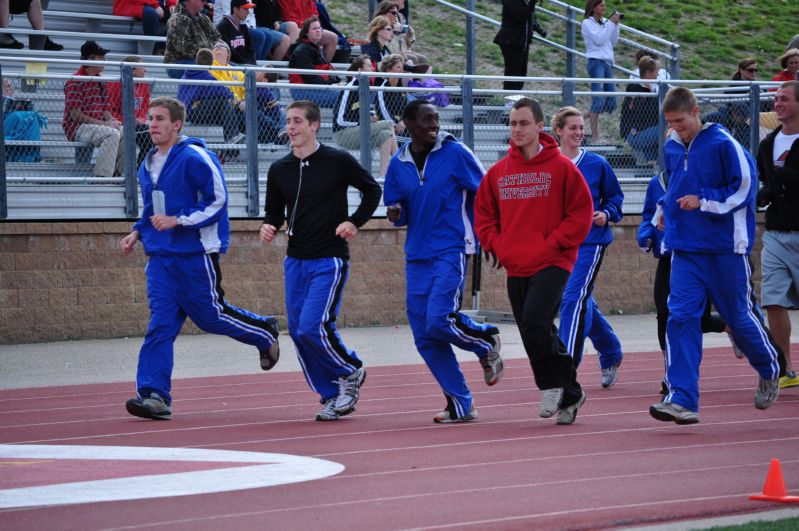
(638,112)
(321,179)
(237,36)
(780,185)
(516,29)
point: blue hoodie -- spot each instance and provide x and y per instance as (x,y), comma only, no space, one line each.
(717,169)
(438,204)
(193,95)
(194,189)
(605,192)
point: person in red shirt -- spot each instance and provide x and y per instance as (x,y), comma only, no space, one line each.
(298,11)
(532,211)
(87,113)
(151,13)
(141,104)
(789,61)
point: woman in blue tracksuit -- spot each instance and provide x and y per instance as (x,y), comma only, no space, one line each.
(183,244)
(650,238)
(579,313)
(430,184)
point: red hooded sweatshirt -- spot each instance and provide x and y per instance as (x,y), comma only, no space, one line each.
(534,213)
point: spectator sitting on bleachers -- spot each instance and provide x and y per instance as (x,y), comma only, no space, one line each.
(391,104)
(21,122)
(379,35)
(403,35)
(33,8)
(663,74)
(267,126)
(346,118)
(298,11)
(306,54)
(87,114)
(188,30)
(789,61)
(210,103)
(238,36)
(640,115)
(266,42)
(151,13)
(268,15)
(141,104)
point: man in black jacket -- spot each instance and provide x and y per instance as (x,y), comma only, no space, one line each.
(778,167)
(309,188)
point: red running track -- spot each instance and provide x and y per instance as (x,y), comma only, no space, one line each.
(615,466)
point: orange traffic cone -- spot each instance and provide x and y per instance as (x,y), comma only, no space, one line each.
(774,489)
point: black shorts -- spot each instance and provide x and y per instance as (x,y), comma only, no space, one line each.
(17,7)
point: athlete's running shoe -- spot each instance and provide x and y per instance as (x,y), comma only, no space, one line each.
(152,407)
(445,418)
(270,356)
(789,380)
(493,366)
(671,412)
(767,393)
(610,375)
(328,412)
(349,389)
(569,413)
(735,350)
(550,402)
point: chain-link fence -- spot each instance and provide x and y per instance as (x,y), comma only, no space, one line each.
(240,115)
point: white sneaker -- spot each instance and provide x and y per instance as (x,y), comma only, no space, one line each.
(328,412)
(445,418)
(735,350)
(550,401)
(767,393)
(493,366)
(569,413)
(348,392)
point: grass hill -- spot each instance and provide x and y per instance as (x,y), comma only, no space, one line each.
(714,34)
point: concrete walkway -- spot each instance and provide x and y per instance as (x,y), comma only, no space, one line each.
(114,360)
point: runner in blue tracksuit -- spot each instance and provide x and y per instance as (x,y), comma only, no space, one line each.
(709,216)
(429,187)
(579,314)
(183,245)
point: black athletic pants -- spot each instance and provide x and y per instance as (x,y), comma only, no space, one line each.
(515,65)
(535,302)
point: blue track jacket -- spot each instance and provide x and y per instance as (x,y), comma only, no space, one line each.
(438,203)
(647,230)
(717,169)
(605,192)
(195,191)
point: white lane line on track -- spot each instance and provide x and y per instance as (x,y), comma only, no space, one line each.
(481,489)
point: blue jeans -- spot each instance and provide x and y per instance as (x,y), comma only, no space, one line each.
(261,42)
(645,142)
(323,98)
(597,68)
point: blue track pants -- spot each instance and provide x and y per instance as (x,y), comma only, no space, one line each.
(726,279)
(580,315)
(433,294)
(313,299)
(181,286)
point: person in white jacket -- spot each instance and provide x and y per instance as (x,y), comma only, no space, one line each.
(600,36)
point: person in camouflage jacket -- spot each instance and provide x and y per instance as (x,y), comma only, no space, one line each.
(188,30)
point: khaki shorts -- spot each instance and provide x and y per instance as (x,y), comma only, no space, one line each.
(779,263)
(350,137)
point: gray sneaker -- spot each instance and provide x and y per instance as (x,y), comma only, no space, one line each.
(610,375)
(349,389)
(270,356)
(493,366)
(550,402)
(569,413)
(445,418)
(152,407)
(767,393)
(671,412)
(328,412)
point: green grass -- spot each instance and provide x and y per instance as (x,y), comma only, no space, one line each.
(789,524)
(713,34)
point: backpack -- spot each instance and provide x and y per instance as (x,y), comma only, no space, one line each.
(439,99)
(23,125)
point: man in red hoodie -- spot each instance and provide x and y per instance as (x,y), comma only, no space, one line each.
(532,211)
